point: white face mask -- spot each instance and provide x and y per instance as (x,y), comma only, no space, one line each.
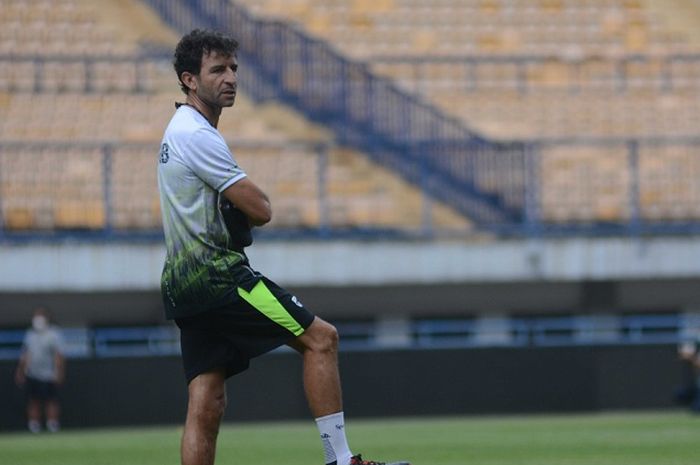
(40,323)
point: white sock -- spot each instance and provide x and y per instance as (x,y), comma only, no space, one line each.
(34,426)
(335,445)
(53,426)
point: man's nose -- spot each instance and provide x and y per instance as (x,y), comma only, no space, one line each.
(230,76)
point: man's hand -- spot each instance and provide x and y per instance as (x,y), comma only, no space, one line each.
(237,224)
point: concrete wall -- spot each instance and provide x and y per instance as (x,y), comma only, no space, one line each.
(107,284)
(112,266)
(141,391)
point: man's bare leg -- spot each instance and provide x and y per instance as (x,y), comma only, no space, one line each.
(319,349)
(34,415)
(53,414)
(205,408)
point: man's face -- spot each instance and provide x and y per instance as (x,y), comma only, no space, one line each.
(217,80)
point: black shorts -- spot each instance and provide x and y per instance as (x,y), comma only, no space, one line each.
(228,337)
(41,390)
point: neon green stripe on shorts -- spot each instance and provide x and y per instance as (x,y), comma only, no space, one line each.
(266,303)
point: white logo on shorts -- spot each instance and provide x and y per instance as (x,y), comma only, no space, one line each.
(296,301)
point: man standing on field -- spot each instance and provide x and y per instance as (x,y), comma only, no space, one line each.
(227,312)
(41,370)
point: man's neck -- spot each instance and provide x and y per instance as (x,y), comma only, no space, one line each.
(210,113)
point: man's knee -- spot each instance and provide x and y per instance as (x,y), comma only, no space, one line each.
(328,338)
(331,337)
(322,337)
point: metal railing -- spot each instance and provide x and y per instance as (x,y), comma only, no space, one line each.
(517,332)
(85,74)
(571,187)
(663,74)
(613,186)
(107,206)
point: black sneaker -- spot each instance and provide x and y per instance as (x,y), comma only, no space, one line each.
(357,460)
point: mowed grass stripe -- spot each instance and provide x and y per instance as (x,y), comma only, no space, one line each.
(656,438)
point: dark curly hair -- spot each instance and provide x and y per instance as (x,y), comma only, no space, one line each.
(196,44)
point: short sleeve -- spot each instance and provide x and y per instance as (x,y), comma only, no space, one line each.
(212,161)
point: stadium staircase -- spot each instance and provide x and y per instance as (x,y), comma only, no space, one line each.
(437,153)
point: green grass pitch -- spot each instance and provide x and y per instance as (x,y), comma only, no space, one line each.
(657,438)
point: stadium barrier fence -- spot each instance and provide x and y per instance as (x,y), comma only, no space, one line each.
(618,74)
(561,331)
(641,187)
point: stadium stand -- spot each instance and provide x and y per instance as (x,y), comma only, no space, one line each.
(490,60)
(367,28)
(540,71)
(94,103)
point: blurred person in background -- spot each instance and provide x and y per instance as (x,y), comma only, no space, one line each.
(689,394)
(41,371)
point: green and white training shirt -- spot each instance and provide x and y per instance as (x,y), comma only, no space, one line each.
(195,167)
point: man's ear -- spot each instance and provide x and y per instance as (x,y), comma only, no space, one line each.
(189,80)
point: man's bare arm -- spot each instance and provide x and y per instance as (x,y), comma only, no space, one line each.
(251,200)
(20,377)
(60,362)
